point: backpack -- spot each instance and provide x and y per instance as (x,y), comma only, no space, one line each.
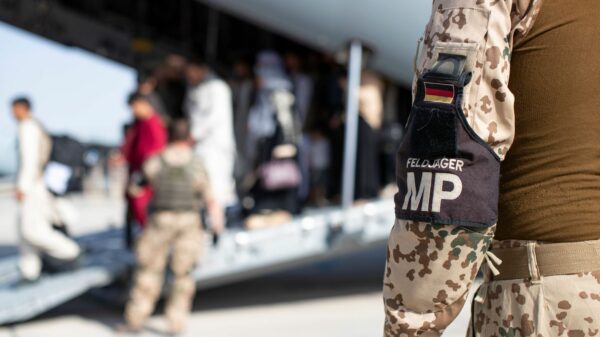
(67,151)
(66,165)
(174,189)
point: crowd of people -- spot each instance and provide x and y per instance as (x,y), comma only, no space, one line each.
(270,131)
(251,148)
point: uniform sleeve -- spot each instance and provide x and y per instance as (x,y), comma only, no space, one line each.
(29,156)
(201,180)
(151,167)
(484,32)
(461,127)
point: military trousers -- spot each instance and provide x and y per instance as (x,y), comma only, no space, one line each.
(180,234)
(537,306)
(37,237)
(431,268)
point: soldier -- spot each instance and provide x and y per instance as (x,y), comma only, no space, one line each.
(180,187)
(542,271)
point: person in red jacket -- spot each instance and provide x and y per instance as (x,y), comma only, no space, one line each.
(144,138)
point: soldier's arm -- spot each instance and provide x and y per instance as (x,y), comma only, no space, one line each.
(446,209)
(214,208)
(151,167)
(201,180)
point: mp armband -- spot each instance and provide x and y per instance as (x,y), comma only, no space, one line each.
(446,173)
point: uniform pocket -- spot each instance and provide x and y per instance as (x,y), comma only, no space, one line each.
(452,21)
(460,30)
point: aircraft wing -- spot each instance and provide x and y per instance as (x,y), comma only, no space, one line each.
(391,27)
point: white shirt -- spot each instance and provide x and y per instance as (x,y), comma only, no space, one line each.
(209,107)
(34,149)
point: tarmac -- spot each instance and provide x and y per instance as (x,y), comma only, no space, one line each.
(339,298)
(270,307)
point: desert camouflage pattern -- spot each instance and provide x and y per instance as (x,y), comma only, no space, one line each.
(562,305)
(429,271)
(482,30)
(430,268)
(180,234)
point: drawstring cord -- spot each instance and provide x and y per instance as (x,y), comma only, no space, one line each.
(491,262)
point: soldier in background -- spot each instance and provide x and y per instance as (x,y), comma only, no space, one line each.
(181,188)
(542,273)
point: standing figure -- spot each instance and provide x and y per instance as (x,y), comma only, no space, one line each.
(37,209)
(144,138)
(208,105)
(534,219)
(181,187)
(273,137)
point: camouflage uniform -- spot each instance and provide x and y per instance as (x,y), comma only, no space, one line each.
(178,232)
(561,305)
(431,265)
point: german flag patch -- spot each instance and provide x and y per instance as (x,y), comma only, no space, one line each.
(439,93)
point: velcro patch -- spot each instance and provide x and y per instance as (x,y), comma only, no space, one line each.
(439,92)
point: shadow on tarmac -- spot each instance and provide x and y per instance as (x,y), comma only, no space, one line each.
(350,275)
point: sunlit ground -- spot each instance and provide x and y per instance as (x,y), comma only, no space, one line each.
(339,299)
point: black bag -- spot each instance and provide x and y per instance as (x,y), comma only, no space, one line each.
(69,152)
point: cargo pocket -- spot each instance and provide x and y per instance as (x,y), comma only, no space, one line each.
(460,30)
(454,22)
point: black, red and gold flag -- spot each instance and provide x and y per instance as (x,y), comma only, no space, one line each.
(439,93)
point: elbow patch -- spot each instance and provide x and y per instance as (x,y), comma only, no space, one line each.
(446,173)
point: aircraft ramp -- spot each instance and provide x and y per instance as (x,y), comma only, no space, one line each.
(316,235)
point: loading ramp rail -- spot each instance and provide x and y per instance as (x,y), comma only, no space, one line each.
(316,235)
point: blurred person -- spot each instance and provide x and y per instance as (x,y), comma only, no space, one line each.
(242,87)
(507,91)
(302,83)
(181,187)
(171,84)
(391,135)
(324,121)
(208,105)
(143,139)
(319,164)
(370,109)
(328,95)
(37,207)
(303,86)
(273,135)
(147,87)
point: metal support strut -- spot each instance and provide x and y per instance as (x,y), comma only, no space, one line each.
(351,135)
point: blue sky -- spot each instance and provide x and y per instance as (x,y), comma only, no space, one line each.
(73,91)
